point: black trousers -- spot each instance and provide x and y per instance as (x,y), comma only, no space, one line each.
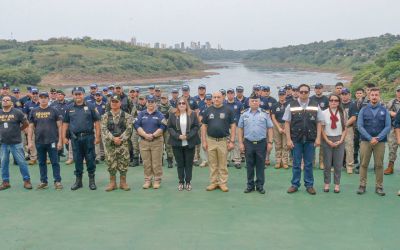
(255,158)
(184,159)
(83,148)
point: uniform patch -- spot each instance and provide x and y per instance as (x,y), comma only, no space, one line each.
(312,118)
(222,115)
(211,116)
(164,121)
(278,109)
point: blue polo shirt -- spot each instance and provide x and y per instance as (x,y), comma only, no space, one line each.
(81,118)
(150,122)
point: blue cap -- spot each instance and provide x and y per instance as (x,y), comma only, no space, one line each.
(318,85)
(223,91)
(345,91)
(256,87)
(44,94)
(34,90)
(110,93)
(5,85)
(202,86)
(105,89)
(208,96)
(98,93)
(295,88)
(29,88)
(152,86)
(239,88)
(111,86)
(150,98)
(185,87)
(16,90)
(266,88)
(230,90)
(281,91)
(137,89)
(78,89)
(174,90)
(93,85)
(288,86)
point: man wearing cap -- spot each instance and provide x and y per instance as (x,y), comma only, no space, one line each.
(100,106)
(200,97)
(303,133)
(152,89)
(17,94)
(46,123)
(208,102)
(140,106)
(133,96)
(6,92)
(82,119)
(218,136)
(350,112)
(165,108)
(150,125)
(53,95)
(323,103)
(239,95)
(116,130)
(12,122)
(192,102)
(281,150)
(61,105)
(105,92)
(126,103)
(236,107)
(157,94)
(393,106)
(27,96)
(255,127)
(174,97)
(256,91)
(266,102)
(28,107)
(289,92)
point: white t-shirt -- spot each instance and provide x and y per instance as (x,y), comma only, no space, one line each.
(327,122)
(183,123)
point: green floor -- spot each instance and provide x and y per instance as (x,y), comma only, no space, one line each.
(168,219)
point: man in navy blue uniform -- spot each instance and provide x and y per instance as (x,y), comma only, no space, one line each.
(28,107)
(236,107)
(200,97)
(174,97)
(61,105)
(192,102)
(100,105)
(239,94)
(82,119)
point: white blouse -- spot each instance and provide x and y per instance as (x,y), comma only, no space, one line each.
(183,124)
(327,122)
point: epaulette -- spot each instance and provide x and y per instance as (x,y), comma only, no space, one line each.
(243,110)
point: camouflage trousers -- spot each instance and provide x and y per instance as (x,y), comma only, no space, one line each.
(117,158)
(168,147)
(135,143)
(392,144)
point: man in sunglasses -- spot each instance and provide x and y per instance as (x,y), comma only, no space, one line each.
(303,133)
(82,118)
(5,91)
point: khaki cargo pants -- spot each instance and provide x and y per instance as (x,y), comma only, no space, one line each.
(349,148)
(366,150)
(281,149)
(217,160)
(151,152)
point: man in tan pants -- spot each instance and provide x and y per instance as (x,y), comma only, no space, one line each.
(218,136)
(350,111)
(150,125)
(281,149)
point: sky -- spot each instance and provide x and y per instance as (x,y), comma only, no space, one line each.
(235,24)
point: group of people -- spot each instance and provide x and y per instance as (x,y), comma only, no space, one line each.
(207,129)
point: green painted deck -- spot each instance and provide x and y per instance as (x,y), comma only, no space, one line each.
(168,219)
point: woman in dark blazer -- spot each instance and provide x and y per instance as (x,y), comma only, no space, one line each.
(183,127)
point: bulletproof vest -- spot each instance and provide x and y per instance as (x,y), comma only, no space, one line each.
(164,108)
(374,124)
(116,129)
(303,125)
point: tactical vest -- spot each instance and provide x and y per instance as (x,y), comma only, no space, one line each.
(303,125)
(374,124)
(116,129)
(164,109)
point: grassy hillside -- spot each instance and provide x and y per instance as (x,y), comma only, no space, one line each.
(347,56)
(29,62)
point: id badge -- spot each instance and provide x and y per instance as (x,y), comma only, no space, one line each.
(5,125)
(85,108)
(53,145)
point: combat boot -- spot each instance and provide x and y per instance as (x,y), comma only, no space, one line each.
(69,162)
(147,184)
(170,162)
(92,183)
(157,184)
(112,185)
(122,184)
(224,188)
(77,184)
(389,169)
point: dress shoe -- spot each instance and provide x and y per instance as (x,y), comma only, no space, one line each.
(292,189)
(380,192)
(261,190)
(248,190)
(311,191)
(361,190)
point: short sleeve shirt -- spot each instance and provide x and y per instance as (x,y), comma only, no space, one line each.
(45,121)
(218,121)
(10,126)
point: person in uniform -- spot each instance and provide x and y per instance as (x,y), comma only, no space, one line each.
(116,130)
(239,94)
(157,95)
(5,91)
(281,150)
(255,126)
(236,107)
(100,105)
(165,108)
(150,125)
(126,103)
(393,106)
(17,94)
(201,96)
(289,92)
(303,133)
(28,107)
(174,97)
(12,122)
(374,125)
(46,123)
(152,89)
(360,96)
(204,161)
(140,106)
(218,136)
(82,119)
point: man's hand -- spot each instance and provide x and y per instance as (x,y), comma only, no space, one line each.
(269,146)
(290,144)
(59,145)
(230,145)
(65,141)
(30,145)
(317,142)
(117,140)
(374,141)
(205,146)
(182,137)
(149,137)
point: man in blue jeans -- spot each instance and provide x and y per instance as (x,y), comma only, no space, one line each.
(303,133)
(46,123)
(12,122)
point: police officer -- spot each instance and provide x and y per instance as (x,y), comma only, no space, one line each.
(28,107)
(150,125)
(303,133)
(239,94)
(126,103)
(266,102)
(140,106)
(393,106)
(157,94)
(152,89)
(82,119)
(277,111)
(208,101)
(200,97)
(165,108)
(174,97)
(61,105)
(192,102)
(100,105)
(17,94)
(374,125)
(93,88)
(289,92)
(218,137)
(236,107)
(5,91)
(116,130)
(255,126)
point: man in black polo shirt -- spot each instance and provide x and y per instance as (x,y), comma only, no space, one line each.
(217,121)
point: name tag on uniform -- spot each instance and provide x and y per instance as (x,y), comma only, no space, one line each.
(5,125)
(53,145)
(235,107)
(211,116)
(85,108)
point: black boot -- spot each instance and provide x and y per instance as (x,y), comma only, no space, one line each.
(77,184)
(170,162)
(92,184)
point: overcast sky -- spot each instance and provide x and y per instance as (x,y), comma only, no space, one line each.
(235,24)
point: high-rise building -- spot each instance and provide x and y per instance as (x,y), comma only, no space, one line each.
(157,45)
(208,45)
(133,41)
(177,46)
(182,45)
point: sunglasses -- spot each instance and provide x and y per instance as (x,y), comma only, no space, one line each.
(181,103)
(6,100)
(334,100)
(77,94)
(150,101)
(118,87)
(304,92)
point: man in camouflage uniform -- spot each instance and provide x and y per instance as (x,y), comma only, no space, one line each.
(116,129)
(139,106)
(165,107)
(393,106)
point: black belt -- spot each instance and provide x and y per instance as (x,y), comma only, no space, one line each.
(217,139)
(256,142)
(83,134)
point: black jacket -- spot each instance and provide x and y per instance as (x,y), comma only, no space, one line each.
(192,130)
